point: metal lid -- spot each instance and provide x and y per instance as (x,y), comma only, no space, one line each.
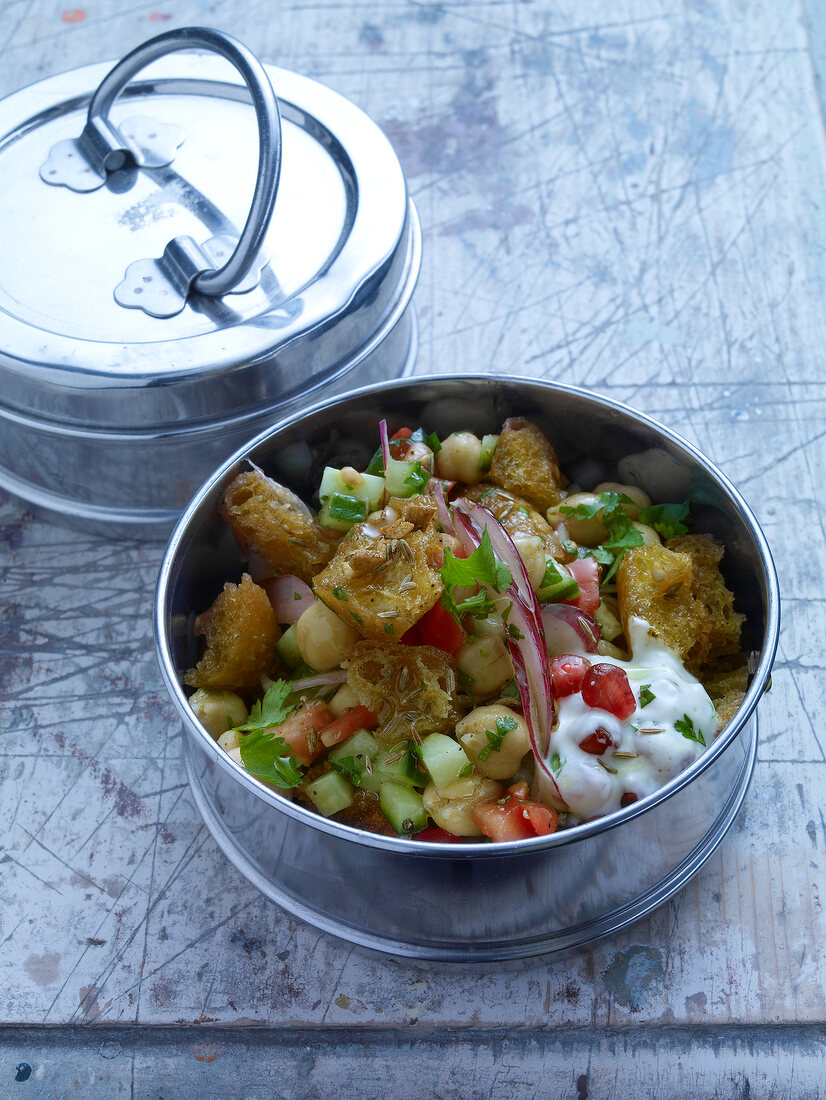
(173,169)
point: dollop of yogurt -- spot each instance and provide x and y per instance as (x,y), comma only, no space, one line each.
(673,721)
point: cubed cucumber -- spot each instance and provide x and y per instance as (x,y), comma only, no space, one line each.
(340,511)
(557,584)
(369,488)
(395,765)
(351,756)
(330,793)
(405,479)
(445,759)
(489,445)
(287,648)
(403,807)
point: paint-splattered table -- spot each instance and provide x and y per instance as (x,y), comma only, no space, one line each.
(628,197)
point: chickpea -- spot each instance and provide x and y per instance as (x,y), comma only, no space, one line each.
(585,532)
(491,624)
(452,809)
(531,550)
(649,536)
(486,662)
(230,742)
(640,498)
(458,460)
(323,639)
(472,732)
(218,711)
(343,700)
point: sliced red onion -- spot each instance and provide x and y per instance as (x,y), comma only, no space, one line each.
(503,549)
(568,630)
(524,634)
(289,597)
(323,679)
(385,444)
(437,492)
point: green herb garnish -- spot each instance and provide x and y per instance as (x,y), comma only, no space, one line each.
(465,771)
(339,593)
(346,765)
(269,711)
(666,519)
(622,534)
(685,726)
(646,695)
(481,567)
(497,736)
(556,764)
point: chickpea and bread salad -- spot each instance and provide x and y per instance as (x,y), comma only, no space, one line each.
(458,646)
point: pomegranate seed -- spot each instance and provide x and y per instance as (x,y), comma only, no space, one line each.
(567,673)
(629,798)
(606,686)
(597,742)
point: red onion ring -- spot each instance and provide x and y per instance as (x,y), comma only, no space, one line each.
(289,596)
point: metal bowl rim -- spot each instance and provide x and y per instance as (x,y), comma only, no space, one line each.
(471,849)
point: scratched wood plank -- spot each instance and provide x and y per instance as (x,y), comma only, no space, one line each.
(627,200)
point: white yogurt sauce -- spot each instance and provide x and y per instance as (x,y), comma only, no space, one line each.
(589,788)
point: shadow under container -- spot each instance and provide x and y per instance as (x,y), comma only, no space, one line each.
(475,901)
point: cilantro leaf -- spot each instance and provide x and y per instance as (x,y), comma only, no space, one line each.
(685,726)
(481,567)
(269,757)
(346,765)
(621,534)
(263,753)
(646,695)
(557,764)
(496,737)
(269,711)
(666,519)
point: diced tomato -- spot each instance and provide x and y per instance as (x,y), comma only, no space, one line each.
(629,798)
(567,674)
(543,820)
(436,835)
(402,433)
(606,687)
(411,636)
(597,742)
(437,627)
(511,818)
(519,790)
(301,730)
(585,572)
(359,718)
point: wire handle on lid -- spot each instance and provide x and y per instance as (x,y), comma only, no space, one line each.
(160,286)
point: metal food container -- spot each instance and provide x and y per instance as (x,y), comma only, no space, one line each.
(184,257)
(476,901)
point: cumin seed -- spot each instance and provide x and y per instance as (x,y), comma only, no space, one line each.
(392,614)
(297,542)
(607,767)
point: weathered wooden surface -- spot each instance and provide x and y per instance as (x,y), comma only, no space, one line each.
(625,196)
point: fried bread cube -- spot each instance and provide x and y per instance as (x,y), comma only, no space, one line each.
(655,584)
(271,521)
(383,579)
(710,590)
(727,690)
(240,631)
(412,689)
(524,463)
